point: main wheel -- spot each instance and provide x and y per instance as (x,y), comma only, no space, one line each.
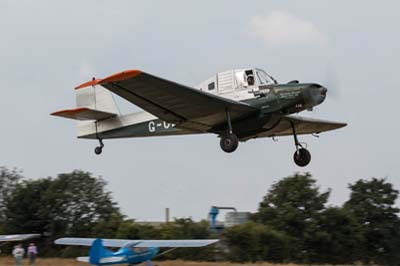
(98,150)
(229,143)
(302,157)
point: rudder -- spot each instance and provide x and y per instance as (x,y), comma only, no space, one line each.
(97,98)
(97,252)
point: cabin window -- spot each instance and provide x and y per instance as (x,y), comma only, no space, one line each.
(211,86)
(240,79)
(139,249)
(249,78)
(264,78)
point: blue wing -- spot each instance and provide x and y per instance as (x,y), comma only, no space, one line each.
(138,243)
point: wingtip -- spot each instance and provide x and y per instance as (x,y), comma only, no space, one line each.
(127,74)
(123,75)
(75,110)
(89,83)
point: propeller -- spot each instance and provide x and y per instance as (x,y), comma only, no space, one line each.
(331,82)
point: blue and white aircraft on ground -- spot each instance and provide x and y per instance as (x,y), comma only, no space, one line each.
(131,251)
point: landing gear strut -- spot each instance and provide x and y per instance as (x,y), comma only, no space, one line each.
(229,141)
(302,156)
(99,149)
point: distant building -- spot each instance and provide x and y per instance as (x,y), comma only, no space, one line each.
(236,218)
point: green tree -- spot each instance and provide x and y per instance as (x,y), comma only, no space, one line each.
(294,206)
(24,209)
(338,237)
(186,228)
(372,203)
(72,204)
(76,202)
(8,181)
(256,242)
(128,229)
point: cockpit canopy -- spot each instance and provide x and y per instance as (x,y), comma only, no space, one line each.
(251,77)
(236,79)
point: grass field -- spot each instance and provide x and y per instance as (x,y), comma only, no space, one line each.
(65,262)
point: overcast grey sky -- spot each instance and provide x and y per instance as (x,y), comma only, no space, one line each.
(48,47)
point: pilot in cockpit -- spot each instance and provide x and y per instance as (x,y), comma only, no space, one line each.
(250,80)
(249,77)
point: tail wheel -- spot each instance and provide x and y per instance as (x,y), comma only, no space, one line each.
(98,150)
(302,157)
(229,142)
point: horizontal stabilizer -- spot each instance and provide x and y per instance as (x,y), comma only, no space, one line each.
(138,243)
(23,237)
(111,259)
(102,260)
(83,259)
(84,113)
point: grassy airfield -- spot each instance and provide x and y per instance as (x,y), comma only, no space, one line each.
(69,262)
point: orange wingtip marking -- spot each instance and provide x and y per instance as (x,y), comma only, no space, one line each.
(71,111)
(127,74)
(88,84)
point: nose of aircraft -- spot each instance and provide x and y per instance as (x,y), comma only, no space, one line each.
(322,91)
(315,94)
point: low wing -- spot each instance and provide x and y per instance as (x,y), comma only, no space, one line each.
(303,125)
(116,243)
(20,237)
(83,113)
(185,106)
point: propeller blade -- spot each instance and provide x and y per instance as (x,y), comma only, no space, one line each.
(332,83)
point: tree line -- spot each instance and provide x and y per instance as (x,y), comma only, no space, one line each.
(293,224)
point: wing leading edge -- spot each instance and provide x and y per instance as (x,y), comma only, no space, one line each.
(138,243)
(303,125)
(172,102)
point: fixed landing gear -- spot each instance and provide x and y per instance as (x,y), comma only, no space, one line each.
(99,149)
(229,141)
(302,156)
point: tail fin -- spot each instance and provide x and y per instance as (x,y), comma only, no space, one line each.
(96,98)
(97,252)
(92,103)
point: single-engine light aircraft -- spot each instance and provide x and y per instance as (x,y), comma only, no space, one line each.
(237,105)
(131,251)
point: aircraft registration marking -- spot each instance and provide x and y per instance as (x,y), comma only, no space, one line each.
(289,95)
(153,126)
